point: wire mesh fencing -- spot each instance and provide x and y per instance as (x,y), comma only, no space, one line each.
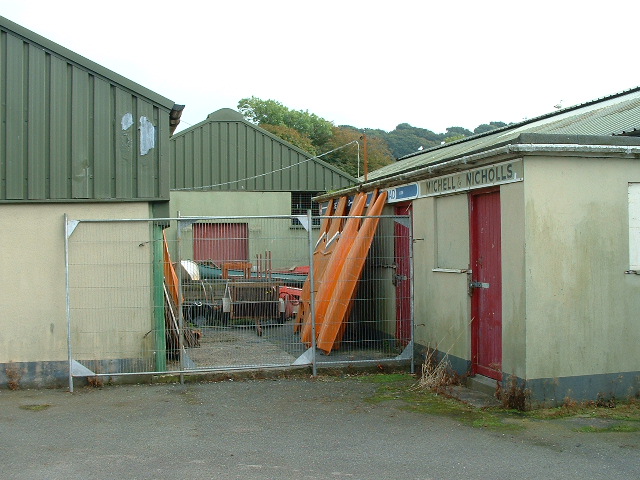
(199,294)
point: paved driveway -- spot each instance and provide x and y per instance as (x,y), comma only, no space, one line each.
(281,429)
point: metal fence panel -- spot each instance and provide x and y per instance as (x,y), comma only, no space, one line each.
(205,294)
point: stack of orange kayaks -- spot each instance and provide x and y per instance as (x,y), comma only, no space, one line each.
(325,281)
(329,232)
(337,313)
(337,279)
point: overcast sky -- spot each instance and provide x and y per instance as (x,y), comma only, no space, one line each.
(371,64)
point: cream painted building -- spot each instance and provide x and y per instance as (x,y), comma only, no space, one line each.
(526,243)
(82,141)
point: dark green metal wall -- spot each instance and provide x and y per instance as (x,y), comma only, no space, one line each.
(226,152)
(62,135)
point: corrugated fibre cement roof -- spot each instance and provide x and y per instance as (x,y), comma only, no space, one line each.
(614,115)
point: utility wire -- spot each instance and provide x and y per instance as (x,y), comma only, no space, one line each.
(205,187)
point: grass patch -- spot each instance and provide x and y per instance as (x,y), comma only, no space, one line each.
(398,387)
(629,411)
(389,378)
(620,428)
(36,408)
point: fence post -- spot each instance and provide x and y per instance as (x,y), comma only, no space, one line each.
(158,299)
(312,299)
(68,300)
(180,316)
(411,293)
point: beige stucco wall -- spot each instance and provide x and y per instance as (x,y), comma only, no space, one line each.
(441,304)
(441,253)
(582,310)
(288,246)
(568,308)
(33,321)
(514,321)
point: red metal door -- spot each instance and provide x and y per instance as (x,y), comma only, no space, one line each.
(402,274)
(221,242)
(486,284)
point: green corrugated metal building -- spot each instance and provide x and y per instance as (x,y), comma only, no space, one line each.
(227,153)
(73,130)
(227,166)
(76,139)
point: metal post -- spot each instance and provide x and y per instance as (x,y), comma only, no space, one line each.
(412,309)
(68,306)
(180,316)
(312,299)
(158,298)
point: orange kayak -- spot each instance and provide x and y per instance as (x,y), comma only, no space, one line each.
(328,230)
(332,327)
(170,275)
(304,295)
(327,281)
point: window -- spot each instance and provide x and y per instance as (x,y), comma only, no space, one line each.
(634,226)
(300,203)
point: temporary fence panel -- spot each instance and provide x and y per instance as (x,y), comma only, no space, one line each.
(114,297)
(148,296)
(241,301)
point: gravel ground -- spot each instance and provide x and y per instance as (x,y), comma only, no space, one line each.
(283,429)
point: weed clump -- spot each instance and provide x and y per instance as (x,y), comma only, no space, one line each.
(95,382)
(437,374)
(605,401)
(13,376)
(516,395)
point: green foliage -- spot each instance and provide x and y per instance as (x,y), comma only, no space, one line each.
(316,135)
(271,112)
(346,158)
(458,131)
(453,138)
(292,136)
(488,127)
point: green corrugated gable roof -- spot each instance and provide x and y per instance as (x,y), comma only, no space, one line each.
(72,56)
(227,152)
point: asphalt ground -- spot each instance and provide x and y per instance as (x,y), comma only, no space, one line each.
(297,428)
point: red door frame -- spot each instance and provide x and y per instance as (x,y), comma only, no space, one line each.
(486,286)
(402,274)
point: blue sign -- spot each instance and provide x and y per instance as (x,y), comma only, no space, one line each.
(402,193)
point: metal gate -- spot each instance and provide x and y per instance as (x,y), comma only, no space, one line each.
(141,299)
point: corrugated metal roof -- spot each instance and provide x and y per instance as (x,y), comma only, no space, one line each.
(613,115)
(227,152)
(73,130)
(72,57)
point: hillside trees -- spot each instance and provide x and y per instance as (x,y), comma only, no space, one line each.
(351,158)
(316,135)
(271,112)
(488,127)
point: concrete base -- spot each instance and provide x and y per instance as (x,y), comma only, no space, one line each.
(482,384)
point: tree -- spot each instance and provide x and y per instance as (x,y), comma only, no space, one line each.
(292,136)
(347,158)
(406,139)
(316,135)
(271,112)
(453,138)
(455,131)
(488,127)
